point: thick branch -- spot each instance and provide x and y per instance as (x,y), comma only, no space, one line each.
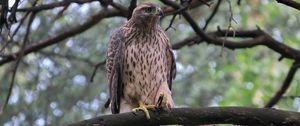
(200,116)
(64,35)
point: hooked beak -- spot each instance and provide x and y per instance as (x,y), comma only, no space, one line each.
(159,12)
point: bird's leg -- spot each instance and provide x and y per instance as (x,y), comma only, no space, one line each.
(144,108)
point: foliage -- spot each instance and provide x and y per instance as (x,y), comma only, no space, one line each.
(52,85)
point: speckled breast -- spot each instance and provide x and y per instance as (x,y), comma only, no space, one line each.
(144,67)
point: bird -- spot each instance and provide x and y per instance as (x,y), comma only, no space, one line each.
(140,64)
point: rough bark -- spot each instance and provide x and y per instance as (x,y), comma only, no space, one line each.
(196,116)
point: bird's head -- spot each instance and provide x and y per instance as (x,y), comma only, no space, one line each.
(147,11)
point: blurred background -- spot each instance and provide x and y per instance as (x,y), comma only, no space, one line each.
(52,86)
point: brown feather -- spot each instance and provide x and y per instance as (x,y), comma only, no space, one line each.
(140,62)
(114,69)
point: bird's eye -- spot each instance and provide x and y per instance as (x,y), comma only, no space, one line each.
(148,9)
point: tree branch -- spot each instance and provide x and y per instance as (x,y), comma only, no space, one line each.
(290,3)
(193,4)
(258,37)
(285,85)
(105,13)
(131,8)
(54,5)
(173,18)
(212,14)
(95,70)
(200,116)
(64,35)
(12,18)
(16,65)
(3,14)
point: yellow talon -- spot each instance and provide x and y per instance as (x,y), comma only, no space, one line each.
(162,101)
(144,108)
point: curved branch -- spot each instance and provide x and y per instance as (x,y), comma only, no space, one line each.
(200,116)
(212,14)
(95,69)
(285,85)
(258,36)
(290,3)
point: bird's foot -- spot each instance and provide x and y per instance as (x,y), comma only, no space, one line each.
(144,108)
(162,101)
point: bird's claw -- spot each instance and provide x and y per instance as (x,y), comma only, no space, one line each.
(161,104)
(162,101)
(144,108)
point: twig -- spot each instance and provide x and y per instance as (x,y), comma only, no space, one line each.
(280,58)
(285,85)
(171,22)
(95,70)
(3,48)
(212,14)
(173,18)
(12,17)
(131,8)
(190,20)
(20,24)
(60,13)
(22,20)
(20,56)
(229,26)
